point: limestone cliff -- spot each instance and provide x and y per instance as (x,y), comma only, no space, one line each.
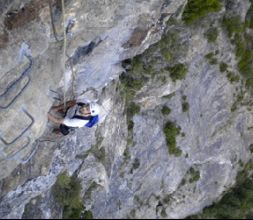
(150,71)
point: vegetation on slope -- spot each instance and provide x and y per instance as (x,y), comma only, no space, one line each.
(197,9)
(66,192)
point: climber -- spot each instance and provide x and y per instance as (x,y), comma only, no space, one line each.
(78,114)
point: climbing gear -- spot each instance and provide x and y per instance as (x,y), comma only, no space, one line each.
(94,108)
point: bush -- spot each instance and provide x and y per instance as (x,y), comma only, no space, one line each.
(232,77)
(245,64)
(240,38)
(177,72)
(166,54)
(211,59)
(137,65)
(211,34)
(249,17)
(197,9)
(168,41)
(251,148)
(237,203)
(194,175)
(165,110)
(171,131)
(66,192)
(240,45)
(132,109)
(185,106)
(232,25)
(223,67)
(249,83)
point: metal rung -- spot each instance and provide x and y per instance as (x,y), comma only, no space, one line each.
(13,84)
(22,148)
(14,99)
(29,126)
(23,161)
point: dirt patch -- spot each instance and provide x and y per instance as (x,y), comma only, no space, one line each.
(136,38)
(18,18)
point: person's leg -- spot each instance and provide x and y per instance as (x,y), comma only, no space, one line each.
(60,108)
(64,129)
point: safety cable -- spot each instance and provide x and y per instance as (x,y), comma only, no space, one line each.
(64,53)
(64,44)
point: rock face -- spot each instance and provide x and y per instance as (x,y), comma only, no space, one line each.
(32,61)
(123,175)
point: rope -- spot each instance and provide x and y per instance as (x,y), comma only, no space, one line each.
(64,53)
(73,74)
(64,48)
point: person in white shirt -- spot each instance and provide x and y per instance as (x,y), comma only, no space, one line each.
(79,114)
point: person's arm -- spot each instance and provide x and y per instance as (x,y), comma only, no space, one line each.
(74,122)
(69,104)
(55,120)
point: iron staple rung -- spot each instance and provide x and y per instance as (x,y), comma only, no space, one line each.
(15,97)
(21,134)
(22,148)
(24,73)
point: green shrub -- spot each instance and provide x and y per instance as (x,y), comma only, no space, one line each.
(238,100)
(240,38)
(212,34)
(249,83)
(66,192)
(223,67)
(249,16)
(245,64)
(177,72)
(166,54)
(237,203)
(211,59)
(171,131)
(232,25)
(240,45)
(137,64)
(132,109)
(171,46)
(165,110)
(136,165)
(194,175)
(197,9)
(232,77)
(130,125)
(168,41)
(87,215)
(185,106)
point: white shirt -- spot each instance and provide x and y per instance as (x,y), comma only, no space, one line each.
(74,122)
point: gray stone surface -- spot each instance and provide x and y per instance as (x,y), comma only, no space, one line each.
(120,179)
